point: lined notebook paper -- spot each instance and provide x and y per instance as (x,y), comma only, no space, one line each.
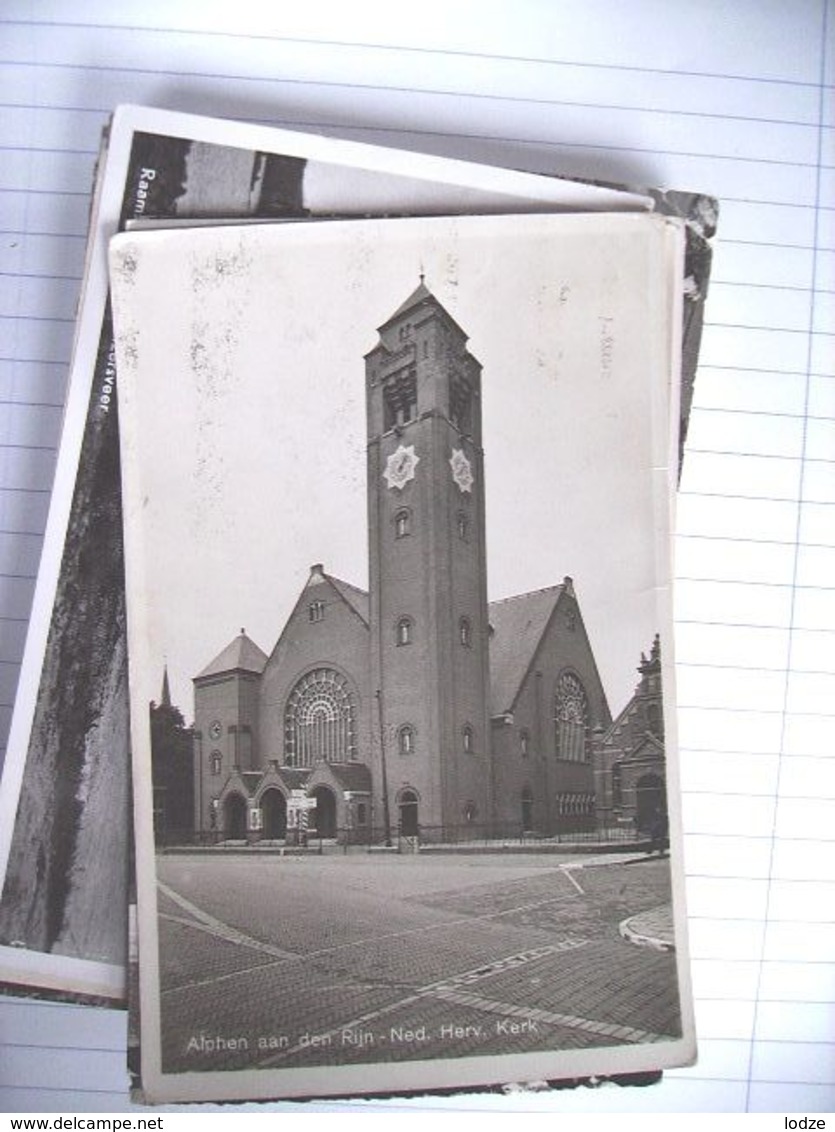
(734,101)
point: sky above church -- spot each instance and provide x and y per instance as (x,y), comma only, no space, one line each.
(243,412)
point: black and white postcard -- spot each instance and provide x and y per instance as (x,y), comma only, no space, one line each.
(397,504)
(64,834)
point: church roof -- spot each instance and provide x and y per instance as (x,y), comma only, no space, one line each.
(516,624)
(419,296)
(355,597)
(352,776)
(420,293)
(293,777)
(241,655)
(647,666)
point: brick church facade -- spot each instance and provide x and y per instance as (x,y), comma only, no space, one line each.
(417,707)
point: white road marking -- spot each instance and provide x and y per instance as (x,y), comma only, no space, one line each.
(442,988)
(234,935)
(548,1017)
(568,871)
(218,928)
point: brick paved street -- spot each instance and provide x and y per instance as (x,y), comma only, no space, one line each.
(283,961)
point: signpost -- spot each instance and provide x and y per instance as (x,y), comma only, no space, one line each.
(299,806)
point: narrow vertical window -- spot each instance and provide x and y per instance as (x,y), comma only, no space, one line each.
(400,399)
(527,809)
(404,631)
(465,632)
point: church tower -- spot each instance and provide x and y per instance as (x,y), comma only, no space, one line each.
(428,585)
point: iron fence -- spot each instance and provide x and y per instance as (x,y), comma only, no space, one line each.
(470,835)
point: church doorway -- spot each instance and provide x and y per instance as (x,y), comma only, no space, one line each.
(273,814)
(325,811)
(408,813)
(650,800)
(234,817)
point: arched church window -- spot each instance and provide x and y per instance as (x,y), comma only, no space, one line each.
(470,812)
(319,720)
(404,631)
(406,739)
(524,743)
(465,633)
(217,761)
(571,719)
(316,611)
(467,739)
(462,526)
(401,523)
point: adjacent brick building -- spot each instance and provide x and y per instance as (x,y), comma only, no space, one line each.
(630,766)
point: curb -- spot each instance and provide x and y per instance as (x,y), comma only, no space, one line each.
(640,938)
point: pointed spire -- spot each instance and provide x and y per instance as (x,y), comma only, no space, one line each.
(420,294)
(165,699)
(421,299)
(651,663)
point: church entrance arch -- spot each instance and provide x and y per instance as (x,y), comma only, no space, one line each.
(408,806)
(234,817)
(325,816)
(273,814)
(650,800)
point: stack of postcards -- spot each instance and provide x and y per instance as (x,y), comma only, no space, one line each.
(350,665)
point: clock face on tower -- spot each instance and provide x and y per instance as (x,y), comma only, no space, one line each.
(462,471)
(400,467)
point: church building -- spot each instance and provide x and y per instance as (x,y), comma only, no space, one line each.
(416,707)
